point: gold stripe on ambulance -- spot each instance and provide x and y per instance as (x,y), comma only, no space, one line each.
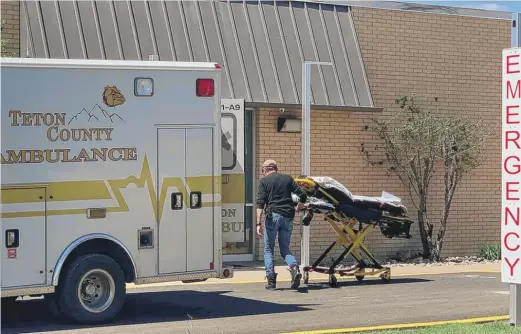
(97,190)
(61,191)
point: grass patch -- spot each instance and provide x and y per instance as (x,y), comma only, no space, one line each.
(493,328)
(491,252)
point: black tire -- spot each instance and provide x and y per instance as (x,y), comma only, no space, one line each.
(385,278)
(333,281)
(51,300)
(69,302)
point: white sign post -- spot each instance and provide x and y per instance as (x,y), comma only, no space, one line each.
(306,146)
(511,180)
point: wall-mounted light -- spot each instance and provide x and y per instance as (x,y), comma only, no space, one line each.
(289,124)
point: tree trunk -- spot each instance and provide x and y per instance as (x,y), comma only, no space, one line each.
(451,182)
(424,233)
(425,227)
(438,243)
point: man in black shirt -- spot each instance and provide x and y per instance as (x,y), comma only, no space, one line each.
(274,198)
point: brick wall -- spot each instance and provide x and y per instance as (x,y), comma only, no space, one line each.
(10,16)
(335,139)
(458,60)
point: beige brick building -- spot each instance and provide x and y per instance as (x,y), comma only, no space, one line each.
(454,58)
(452,55)
(11,26)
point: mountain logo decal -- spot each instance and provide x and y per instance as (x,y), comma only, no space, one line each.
(112,97)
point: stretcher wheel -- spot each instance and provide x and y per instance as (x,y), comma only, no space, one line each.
(333,281)
(306,277)
(386,277)
(360,278)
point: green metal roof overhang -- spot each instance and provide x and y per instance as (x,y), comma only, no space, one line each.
(260,45)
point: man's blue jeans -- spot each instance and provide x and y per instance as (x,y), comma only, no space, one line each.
(283,226)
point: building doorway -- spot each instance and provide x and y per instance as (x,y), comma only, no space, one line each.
(238,182)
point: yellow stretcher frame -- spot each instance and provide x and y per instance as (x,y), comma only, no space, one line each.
(352,241)
(350,238)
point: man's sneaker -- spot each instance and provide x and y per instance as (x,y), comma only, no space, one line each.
(272,282)
(295,277)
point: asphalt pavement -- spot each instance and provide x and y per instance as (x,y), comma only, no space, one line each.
(248,308)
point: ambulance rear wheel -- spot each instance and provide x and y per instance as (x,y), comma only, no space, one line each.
(52,305)
(92,290)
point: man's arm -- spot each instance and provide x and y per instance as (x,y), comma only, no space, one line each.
(302,196)
(261,201)
(259,216)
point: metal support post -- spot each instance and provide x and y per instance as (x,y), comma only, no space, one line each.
(516,30)
(306,146)
(515,304)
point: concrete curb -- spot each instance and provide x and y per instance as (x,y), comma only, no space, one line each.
(405,326)
(258,276)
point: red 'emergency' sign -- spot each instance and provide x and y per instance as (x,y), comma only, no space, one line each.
(511,167)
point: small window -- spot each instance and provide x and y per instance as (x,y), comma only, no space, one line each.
(228,141)
(143,86)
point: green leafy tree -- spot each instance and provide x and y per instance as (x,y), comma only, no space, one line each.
(415,143)
(5,53)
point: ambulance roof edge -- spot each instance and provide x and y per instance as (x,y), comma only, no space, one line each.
(105,63)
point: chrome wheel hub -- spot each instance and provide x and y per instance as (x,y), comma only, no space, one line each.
(96,290)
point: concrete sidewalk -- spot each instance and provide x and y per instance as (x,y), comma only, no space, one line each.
(254,273)
(257,274)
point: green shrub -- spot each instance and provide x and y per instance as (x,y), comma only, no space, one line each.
(491,252)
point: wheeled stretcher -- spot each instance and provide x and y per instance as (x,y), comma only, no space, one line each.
(352,217)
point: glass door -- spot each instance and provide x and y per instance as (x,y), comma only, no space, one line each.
(237,187)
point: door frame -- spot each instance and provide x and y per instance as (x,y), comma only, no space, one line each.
(249,257)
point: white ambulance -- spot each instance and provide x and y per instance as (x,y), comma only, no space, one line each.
(110,174)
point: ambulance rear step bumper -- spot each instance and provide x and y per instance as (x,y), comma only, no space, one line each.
(199,276)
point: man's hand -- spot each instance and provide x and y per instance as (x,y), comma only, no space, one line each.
(259,224)
(260,231)
(301,206)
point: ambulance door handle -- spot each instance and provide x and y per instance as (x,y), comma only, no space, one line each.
(195,200)
(176,201)
(12,238)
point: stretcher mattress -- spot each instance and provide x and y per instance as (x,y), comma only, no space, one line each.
(326,195)
(334,190)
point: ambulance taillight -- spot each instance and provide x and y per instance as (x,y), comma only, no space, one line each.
(205,87)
